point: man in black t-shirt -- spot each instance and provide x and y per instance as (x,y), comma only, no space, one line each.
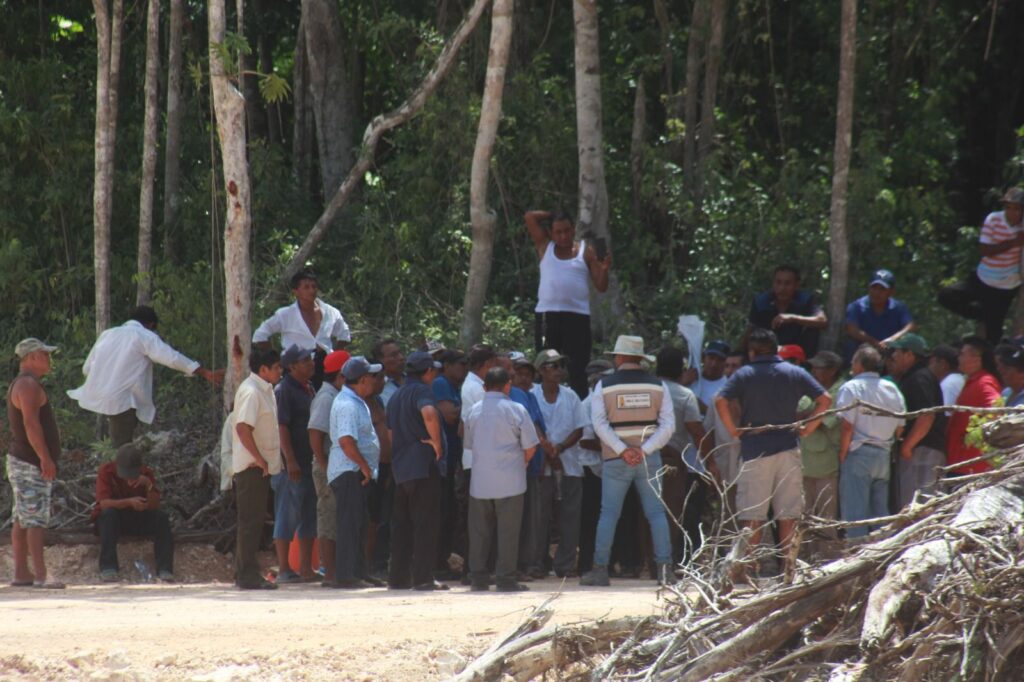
(794,314)
(923,448)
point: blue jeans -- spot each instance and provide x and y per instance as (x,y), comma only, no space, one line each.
(864,486)
(294,506)
(616,477)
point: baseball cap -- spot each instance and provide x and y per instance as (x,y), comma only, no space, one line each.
(434,347)
(599,366)
(792,351)
(519,359)
(129,461)
(295,354)
(31,345)
(912,342)
(1014,195)
(826,358)
(421,361)
(883,277)
(335,361)
(548,356)
(358,367)
(718,347)
(451,356)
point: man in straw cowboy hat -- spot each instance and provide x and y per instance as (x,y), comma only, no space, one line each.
(633,418)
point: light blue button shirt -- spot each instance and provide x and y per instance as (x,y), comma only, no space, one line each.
(350,416)
(871,429)
(499,431)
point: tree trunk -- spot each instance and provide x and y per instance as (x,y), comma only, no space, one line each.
(480,214)
(108,64)
(593,192)
(302,116)
(839,240)
(229,106)
(636,143)
(330,67)
(172,148)
(150,130)
(382,124)
(712,66)
(694,60)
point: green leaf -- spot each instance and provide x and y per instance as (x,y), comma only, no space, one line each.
(273,88)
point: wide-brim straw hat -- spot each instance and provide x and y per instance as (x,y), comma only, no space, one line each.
(630,345)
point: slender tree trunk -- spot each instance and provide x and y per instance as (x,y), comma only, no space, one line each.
(636,144)
(480,214)
(150,130)
(229,106)
(593,191)
(330,67)
(302,123)
(382,124)
(694,60)
(109,23)
(172,148)
(265,51)
(712,66)
(839,240)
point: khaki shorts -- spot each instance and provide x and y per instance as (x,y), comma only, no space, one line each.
(326,520)
(773,480)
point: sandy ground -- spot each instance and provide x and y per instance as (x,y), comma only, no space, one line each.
(214,632)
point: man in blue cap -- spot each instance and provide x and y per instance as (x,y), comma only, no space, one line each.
(877,319)
(417,451)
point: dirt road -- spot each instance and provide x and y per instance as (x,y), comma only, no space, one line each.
(215,633)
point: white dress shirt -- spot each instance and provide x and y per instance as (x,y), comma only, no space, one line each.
(472,392)
(119,371)
(656,441)
(288,322)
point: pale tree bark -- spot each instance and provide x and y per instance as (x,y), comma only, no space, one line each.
(229,106)
(330,64)
(382,124)
(593,191)
(636,142)
(691,100)
(839,240)
(712,67)
(150,131)
(172,146)
(481,216)
(302,115)
(109,22)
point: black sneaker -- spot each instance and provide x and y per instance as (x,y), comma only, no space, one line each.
(432,586)
(511,587)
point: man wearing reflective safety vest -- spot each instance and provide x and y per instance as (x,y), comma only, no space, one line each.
(633,418)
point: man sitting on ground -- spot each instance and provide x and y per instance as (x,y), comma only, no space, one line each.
(128,503)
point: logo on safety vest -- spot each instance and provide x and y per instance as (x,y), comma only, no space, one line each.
(633,401)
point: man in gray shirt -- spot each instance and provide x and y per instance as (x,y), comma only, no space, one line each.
(503,439)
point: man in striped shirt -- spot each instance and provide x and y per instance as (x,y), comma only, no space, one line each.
(988,293)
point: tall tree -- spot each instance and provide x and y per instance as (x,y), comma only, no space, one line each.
(839,239)
(109,24)
(330,62)
(481,216)
(691,99)
(229,106)
(382,124)
(712,67)
(149,133)
(593,190)
(302,115)
(172,147)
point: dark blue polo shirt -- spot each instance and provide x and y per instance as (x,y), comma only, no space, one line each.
(895,317)
(293,402)
(804,303)
(768,391)
(529,401)
(411,459)
(443,390)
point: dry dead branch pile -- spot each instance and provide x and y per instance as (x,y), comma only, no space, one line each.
(936,594)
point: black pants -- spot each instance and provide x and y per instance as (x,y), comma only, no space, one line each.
(381,499)
(415,523)
(113,523)
(251,490)
(976,300)
(590,512)
(446,539)
(351,519)
(569,334)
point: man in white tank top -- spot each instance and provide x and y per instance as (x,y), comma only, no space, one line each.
(567,267)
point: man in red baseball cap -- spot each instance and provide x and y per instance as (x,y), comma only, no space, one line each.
(793,353)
